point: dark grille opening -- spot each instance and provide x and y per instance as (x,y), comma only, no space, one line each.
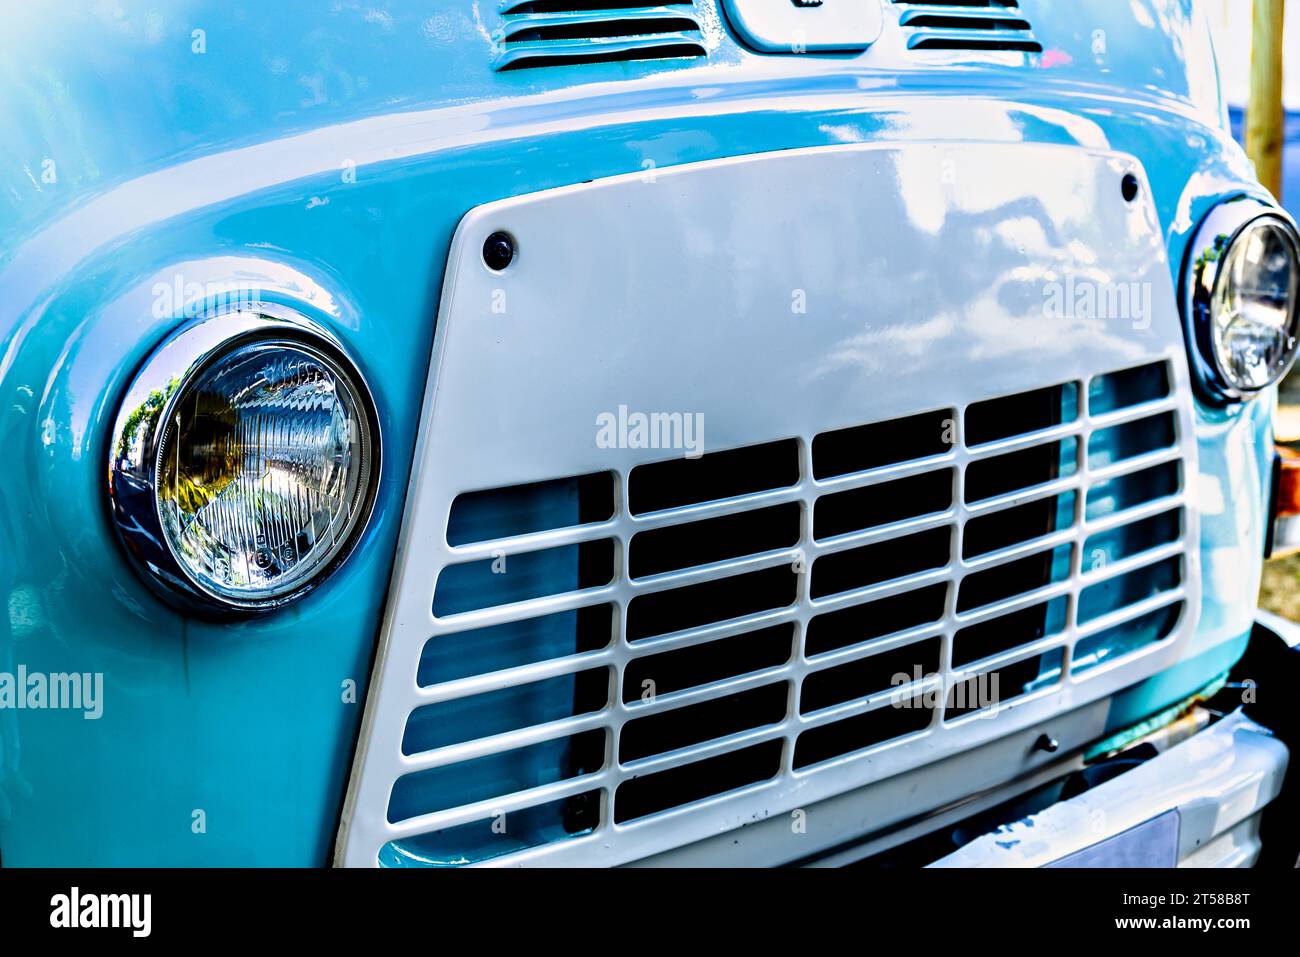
(1012,526)
(1120,390)
(495,775)
(582,6)
(1009,631)
(1132,539)
(718,475)
(1021,414)
(714,540)
(1129,440)
(1129,589)
(500,581)
(965,3)
(508,709)
(682,727)
(630,27)
(941,22)
(659,51)
(995,687)
(861,731)
(1014,578)
(874,446)
(885,561)
(987,478)
(1125,638)
(872,505)
(484,840)
(867,676)
(680,608)
(713,661)
(1129,491)
(647,795)
(849,626)
(975,43)
(515,643)
(537,507)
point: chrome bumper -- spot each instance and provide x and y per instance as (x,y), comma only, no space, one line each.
(1198,804)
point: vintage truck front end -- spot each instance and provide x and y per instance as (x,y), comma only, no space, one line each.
(772,430)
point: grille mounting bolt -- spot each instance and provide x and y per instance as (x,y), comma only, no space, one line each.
(499,251)
(1047,743)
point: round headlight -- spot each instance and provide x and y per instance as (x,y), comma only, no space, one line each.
(1244,284)
(245,459)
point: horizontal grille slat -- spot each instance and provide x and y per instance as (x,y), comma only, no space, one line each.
(1004,633)
(507,709)
(694,724)
(708,602)
(884,504)
(839,738)
(866,447)
(991,477)
(863,677)
(858,623)
(702,664)
(448,658)
(524,509)
(643,796)
(875,564)
(495,775)
(717,476)
(1014,578)
(522,577)
(1002,684)
(713,540)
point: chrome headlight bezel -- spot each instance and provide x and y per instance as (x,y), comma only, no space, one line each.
(1221,228)
(169,371)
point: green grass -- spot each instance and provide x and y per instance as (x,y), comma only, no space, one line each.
(1279,592)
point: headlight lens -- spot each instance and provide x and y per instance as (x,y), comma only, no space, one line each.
(262,470)
(258,461)
(1243,285)
(1253,308)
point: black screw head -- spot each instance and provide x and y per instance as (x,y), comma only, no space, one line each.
(499,251)
(1047,743)
(1128,186)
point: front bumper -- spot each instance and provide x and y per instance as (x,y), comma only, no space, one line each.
(1198,804)
(1223,793)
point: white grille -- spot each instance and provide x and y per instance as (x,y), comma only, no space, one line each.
(589,326)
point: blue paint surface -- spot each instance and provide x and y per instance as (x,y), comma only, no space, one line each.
(321,156)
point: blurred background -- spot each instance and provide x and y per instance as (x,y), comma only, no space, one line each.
(1258,43)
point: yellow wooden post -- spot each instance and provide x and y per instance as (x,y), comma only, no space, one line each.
(1264,116)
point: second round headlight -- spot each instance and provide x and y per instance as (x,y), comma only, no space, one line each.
(1245,297)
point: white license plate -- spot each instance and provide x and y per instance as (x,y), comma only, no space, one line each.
(1152,843)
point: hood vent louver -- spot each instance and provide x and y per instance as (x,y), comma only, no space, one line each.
(536,33)
(967,25)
